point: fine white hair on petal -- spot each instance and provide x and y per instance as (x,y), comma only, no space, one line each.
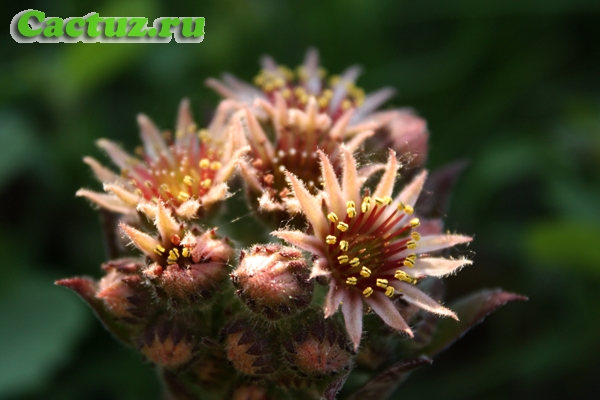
(414,295)
(386,183)
(310,206)
(334,297)
(350,182)
(302,240)
(331,186)
(353,315)
(384,307)
(111,203)
(372,102)
(410,193)
(116,154)
(102,173)
(433,266)
(154,144)
(438,242)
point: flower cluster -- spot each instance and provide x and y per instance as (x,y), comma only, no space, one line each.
(238,319)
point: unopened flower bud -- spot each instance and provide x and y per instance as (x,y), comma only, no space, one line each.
(250,392)
(318,347)
(273,281)
(167,343)
(250,348)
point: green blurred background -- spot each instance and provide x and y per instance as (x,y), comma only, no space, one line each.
(512,86)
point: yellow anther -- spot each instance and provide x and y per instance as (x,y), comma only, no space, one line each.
(334,80)
(344,245)
(366,204)
(382,283)
(368,291)
(286,93)
(412,256)
(204,136)
(215,165)
(342,226)
(186,252)
(414,222)
(389,292)
(327,93)
(299,92)
(355,262)
(409,263)
(350,204)
(159,250)
(138,192)
(206,183)
(332,217)
(346,104)
(365,272)
(204,163)
(404,277)
(164,187)
(183,196)
(416,236)
(343,259)
(188,180)
(408,209)
(148,184)
(322,102)
(351,211)
(387,200)
(411,244)
(351,281)
(279,82)
(173,256)
(379,201)
(331,239)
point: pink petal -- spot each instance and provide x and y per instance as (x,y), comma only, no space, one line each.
(386,184)
(415,296)
(436,242)
(411,192)
(154,144)
(167,225)
(310,206)
(116,154)
(331,186)
(438,266)
(335,296)
(302,240)
(371,103)
(319,268)
(353,314)
(384,307)
(358,140)
(109,202)
(350,181)
(102,173)
(141,240)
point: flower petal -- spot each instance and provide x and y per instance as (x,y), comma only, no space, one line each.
(410,193)
(302,240)
(167,225)
(310,206)
(371,103)
(141,240)
(433,266)
(154,144)
(107,201)
(350,181)
(413,295)
(386,184)
(384,307)
(102,173)
(335,297)
(437,242)
(331,186)
(116,154)
(353,314)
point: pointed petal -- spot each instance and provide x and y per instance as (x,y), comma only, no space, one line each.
(335,297)
(384,307)
(102,173)
(222,89)
(413,295)
(350,181)
(386,184)
(437,242)
(257,136)
(167,225)
(216,193)
(184,117)
(367,171)
(116,154)
(371,103)
(106,201)
(311,63)
(411,192)
(358,140)
(154,144)
(353,314)
(141,240)
(432,266)
(127,197)
(310,206)
(341,88)
(250,176)
(302,240)
(331,186)
(188,209)
(338,130)
(319,268)
(148,208)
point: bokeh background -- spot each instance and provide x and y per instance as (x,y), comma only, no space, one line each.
(511,86)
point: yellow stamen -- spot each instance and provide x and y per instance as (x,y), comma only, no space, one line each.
(332,217)
(416,236)
(387,200)
(389,292)
(148,184)
(379,201)
(188,180)
(351,211)
(409,263)
(342,226)
(138,192)
(344,245)
(414,222)
(408,209)
(365,272)
(183,196)
(411,245)
(186,252)
(368,291)
(173,256)
(382,283)
(351,281)
(331,239)
(366,204)
(355,262)
(404,277)
(206,183)
(350,204)
(215,165)
(343,259)
(159,250)
(164,187)
(204,163)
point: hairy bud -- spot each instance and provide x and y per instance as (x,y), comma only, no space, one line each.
(273,281)
(167,343)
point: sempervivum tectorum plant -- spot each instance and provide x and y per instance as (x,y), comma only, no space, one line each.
(289,115)
(188,173)
(184,264)
(368,245)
